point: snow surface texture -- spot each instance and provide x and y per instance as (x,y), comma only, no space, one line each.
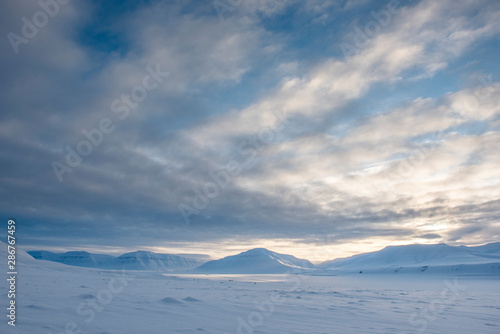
(56,298)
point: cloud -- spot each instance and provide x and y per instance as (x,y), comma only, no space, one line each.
(352,148)
(430,236)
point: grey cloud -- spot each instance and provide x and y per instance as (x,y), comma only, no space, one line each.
(430,236)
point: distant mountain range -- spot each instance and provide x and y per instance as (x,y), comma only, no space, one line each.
(392,259)
(140,260)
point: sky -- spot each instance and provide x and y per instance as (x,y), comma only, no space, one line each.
(319,128)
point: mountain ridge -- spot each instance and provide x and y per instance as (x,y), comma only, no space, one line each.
(264,261)
(138,260)
(256,261)
(418,255)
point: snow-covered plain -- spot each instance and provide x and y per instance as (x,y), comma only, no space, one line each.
(56,298)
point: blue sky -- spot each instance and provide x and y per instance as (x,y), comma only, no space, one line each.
(172,127)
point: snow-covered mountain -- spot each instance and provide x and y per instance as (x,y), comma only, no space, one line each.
(421,256)
(21,256)
(429,258)
(140,260)
(75,258)
(484,250)
(256,261)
